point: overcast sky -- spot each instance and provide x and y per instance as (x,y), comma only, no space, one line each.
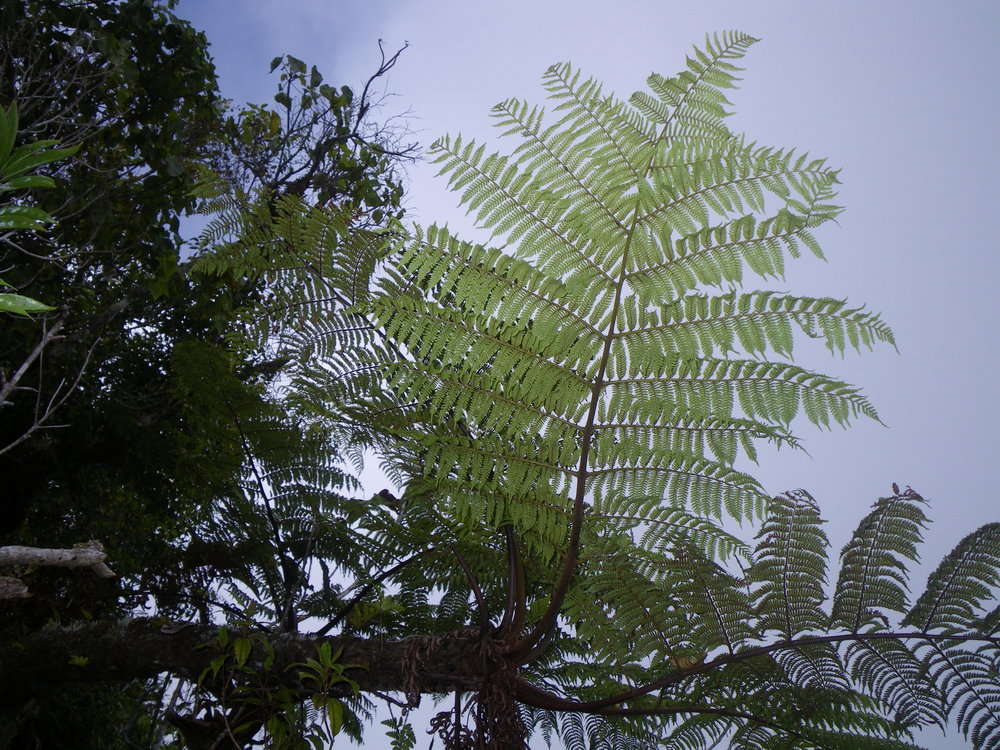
(901,95)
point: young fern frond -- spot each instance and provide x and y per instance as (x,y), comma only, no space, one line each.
(765,649)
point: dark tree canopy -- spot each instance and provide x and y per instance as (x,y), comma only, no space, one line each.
(136,414)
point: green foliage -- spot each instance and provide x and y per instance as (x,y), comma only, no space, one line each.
(583,361)
(131,87)
(778,666)
(14,163)
(317,143)
(570,416)
(400,734)
(18,304)
(580,379)
(242,674)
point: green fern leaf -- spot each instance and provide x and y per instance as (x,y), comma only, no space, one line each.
(873,572)
(965,578)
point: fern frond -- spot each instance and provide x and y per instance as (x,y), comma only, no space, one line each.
(956,590)
(873,563)
(579,363)
(789,566)
(770,391)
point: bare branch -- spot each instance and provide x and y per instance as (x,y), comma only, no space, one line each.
(57,399)
(87,555)
(47,336)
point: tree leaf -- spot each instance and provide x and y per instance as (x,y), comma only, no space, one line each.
(18,304)
(241,650)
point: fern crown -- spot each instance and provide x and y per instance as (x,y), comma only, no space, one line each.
(611,352)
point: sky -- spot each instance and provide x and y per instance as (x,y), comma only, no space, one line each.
(901,95)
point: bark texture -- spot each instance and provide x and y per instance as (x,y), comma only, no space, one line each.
(141,648)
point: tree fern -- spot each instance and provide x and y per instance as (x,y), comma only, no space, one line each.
(572,412)
(580,369)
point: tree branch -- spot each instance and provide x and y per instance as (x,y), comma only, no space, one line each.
(477,591)
(120,651)
(55,401)
(87,555)
(514,612)
(10,385)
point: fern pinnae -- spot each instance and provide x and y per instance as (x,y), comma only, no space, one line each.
(969,683)
(699,732)
(464,270)
(724,604)
(554,153)
(873,572)
(698,324)
(707,487)
(769,390)
(588,113)
(663,528)
(505,211)
(660,428)
(966,577)
(498,406)
(892,673)
(696,92)
(726,191)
